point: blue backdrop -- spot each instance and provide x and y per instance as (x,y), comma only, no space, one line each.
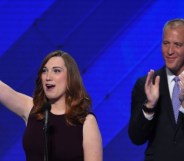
(114,42)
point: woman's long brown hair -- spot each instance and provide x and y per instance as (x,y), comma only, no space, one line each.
(77,100)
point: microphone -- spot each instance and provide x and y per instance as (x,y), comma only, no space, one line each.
(46,108)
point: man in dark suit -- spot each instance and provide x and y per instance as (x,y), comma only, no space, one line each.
(152,115)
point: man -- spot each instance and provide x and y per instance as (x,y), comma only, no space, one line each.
(153,117)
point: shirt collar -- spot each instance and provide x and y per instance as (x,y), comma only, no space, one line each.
(170,75)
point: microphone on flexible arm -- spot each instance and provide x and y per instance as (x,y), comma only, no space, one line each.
(46,108)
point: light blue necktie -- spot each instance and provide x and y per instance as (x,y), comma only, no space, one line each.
(175,98)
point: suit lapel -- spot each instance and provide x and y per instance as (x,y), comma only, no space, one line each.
(165,97)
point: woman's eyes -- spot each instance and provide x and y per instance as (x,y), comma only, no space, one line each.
(57,70)
(44,70)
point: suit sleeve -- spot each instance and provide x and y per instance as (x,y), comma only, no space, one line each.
(140,128)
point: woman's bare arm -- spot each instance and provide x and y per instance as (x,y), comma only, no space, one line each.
(18,103)
(92,141)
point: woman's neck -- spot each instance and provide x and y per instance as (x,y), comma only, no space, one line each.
(58,107)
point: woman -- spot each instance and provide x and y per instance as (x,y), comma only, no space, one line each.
(73,133)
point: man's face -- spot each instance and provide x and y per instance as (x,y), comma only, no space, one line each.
(173,49)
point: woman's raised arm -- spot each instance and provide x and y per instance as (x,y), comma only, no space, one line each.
(18,103)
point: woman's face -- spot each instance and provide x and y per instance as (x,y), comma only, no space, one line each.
(54,78)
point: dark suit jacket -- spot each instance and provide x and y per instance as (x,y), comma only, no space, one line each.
(165,137)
